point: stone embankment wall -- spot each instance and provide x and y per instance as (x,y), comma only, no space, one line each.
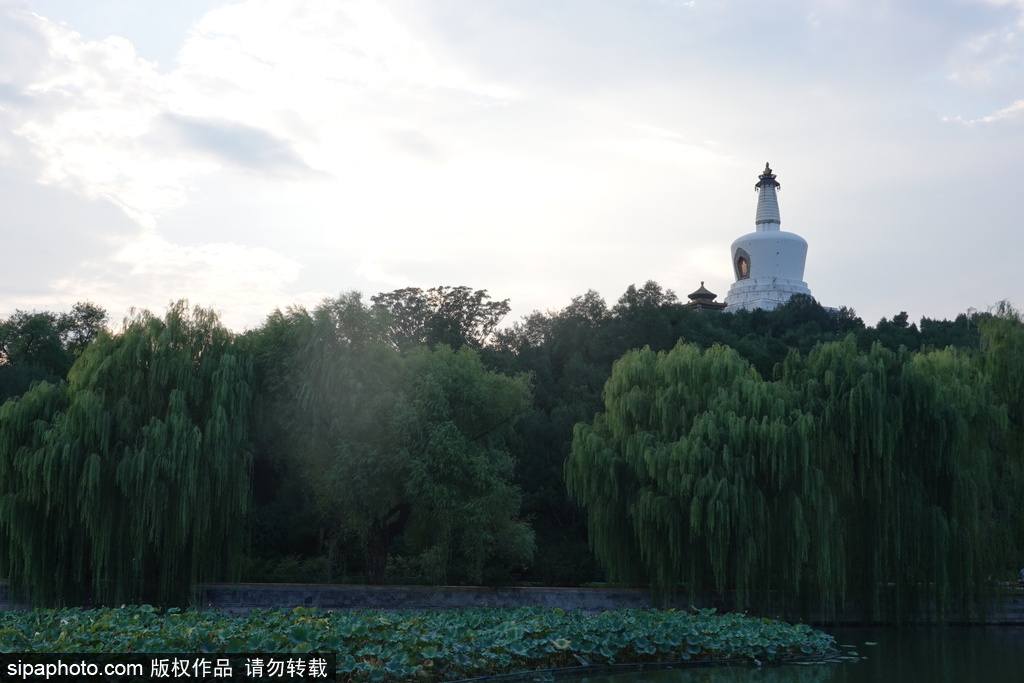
(240,598)
(244,597)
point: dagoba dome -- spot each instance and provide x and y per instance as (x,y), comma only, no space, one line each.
(768,264)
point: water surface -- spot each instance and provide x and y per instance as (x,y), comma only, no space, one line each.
(993,654)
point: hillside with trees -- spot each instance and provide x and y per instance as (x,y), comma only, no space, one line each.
(410,438)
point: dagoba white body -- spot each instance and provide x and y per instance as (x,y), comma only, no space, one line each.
(768,264)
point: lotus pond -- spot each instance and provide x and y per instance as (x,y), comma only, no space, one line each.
(425,646)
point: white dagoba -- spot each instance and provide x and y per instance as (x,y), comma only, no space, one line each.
(768,264)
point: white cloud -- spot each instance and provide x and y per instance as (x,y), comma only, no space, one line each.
(327,78)
(984,59)
(303,80)
(1012,111)
(83,114)
(383,144)
(1001,3)
(371,267)
(244,283)
(265,90)
(655,144)
(340,47)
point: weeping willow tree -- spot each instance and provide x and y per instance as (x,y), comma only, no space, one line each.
(909,443)
(1002,361)
(133,475)
(870,475)
(701,473)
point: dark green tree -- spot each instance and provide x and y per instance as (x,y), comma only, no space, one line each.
(80,326)
(569,355)
(133,476)
(646,317)
(34,339)
(961,332)
(409,448)
(894,333)
(455,316)
(41,346)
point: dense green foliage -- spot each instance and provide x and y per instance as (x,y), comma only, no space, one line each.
(456,316)
(571,353)
(393,446)
(134,474)
(886,475)
(410,439)
(424,646)
(38,346)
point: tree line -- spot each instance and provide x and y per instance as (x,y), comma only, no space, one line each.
(409,438)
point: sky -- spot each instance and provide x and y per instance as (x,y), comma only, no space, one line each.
(260,154)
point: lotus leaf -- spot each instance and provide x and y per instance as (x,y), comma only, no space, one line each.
(425,646)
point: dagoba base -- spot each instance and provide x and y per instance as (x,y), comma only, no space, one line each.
(766,293)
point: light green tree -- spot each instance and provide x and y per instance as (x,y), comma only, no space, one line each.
(700,473)
(911,444)
(872,475)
